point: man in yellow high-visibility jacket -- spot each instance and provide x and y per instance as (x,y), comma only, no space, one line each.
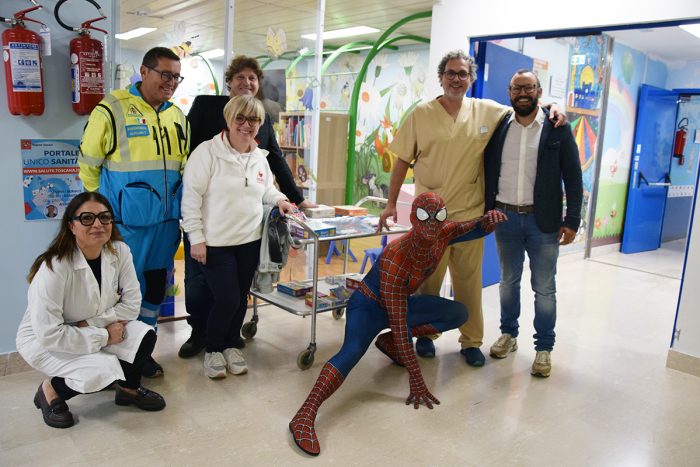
(133,151)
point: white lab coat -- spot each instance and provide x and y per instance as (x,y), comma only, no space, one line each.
(49,339)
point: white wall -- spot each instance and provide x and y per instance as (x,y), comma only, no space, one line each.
(455,21)
(21,241)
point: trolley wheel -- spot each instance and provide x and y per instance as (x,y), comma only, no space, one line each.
(305,359)
(338,313)
(249,329)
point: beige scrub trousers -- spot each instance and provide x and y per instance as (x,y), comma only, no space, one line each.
(448,157)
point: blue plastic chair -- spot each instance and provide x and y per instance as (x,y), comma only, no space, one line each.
(372,254)
(333,250)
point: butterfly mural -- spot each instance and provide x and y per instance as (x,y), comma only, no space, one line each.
(275,42)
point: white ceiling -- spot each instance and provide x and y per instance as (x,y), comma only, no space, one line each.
(203,21)
(671,44)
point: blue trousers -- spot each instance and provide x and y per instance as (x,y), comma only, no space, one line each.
(365,318)
(153,249)
(514,237)
(229,274)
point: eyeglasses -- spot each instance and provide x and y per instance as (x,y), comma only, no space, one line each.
(240,119)
(528,88)
(88,218)
(424,215)
(166,76)
(450,74)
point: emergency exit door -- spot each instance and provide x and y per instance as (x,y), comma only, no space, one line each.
(651,165)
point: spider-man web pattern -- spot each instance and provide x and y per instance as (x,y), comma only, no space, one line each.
(385,299)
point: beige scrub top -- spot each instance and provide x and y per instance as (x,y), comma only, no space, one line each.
(449,154)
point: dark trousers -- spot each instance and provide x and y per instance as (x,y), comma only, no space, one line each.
(132,371)
(198,297)
(229,274)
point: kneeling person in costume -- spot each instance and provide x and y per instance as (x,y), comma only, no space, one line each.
(385,300)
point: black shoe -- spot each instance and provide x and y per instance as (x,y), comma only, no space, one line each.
(239,343)
(151,369)
(56,414)
(144,399)
(192,347)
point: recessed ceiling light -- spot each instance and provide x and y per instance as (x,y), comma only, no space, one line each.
(125,36)
(213,53)
(346,32)
(694,29)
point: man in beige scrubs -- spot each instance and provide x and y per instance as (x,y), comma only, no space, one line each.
(445,140)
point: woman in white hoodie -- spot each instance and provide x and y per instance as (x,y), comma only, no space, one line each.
(226,182)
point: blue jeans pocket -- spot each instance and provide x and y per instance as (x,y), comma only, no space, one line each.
(140,205)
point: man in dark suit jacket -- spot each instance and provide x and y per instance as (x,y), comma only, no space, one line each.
(206,117)
(525,163)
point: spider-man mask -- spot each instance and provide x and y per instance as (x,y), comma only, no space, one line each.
(427,215)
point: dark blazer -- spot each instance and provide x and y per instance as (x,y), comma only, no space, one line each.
(207,120)
(557,160)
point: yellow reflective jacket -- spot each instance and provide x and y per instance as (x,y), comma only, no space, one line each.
(134,155)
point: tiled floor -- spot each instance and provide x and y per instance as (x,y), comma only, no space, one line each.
(609,402)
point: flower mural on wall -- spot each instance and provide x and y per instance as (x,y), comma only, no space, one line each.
(380,117)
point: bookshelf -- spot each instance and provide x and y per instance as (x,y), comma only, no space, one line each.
(294,138)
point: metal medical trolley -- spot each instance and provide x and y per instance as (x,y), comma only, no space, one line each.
(296,305)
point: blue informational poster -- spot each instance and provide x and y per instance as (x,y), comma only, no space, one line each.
(49,176)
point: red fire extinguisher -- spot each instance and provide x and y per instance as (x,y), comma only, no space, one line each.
(87,64)
(679,141)
(23,76)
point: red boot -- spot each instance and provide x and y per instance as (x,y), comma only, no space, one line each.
(385,342)
(302,425)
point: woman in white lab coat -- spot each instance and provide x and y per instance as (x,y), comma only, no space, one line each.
(79,328)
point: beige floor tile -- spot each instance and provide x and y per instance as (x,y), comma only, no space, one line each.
(609,402)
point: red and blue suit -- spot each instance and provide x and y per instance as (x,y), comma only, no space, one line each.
(385,300)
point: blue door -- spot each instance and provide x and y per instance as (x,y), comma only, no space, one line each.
(497,65)
(651,165)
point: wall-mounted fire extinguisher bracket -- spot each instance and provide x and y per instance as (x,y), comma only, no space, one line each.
(21,52)
(86,63)
(679,140)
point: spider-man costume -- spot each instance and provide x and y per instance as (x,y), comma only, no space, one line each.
(385,300)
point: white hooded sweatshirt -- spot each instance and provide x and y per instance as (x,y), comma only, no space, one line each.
(224,192)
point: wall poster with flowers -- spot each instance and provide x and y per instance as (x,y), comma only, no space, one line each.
(394,85)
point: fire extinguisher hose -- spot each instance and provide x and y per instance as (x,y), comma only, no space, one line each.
(70,28)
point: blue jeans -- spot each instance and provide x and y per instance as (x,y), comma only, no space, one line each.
(517,235)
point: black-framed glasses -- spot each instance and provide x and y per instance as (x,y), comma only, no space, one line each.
(424,215)
(166,76)
(88,218)
(451,74)
(253,120)
(528,88)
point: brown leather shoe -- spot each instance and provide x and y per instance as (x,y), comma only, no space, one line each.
(144,399)
(56,414)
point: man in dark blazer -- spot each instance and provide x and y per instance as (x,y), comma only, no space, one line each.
(525,163)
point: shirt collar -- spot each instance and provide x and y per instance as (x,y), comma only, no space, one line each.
(539,118)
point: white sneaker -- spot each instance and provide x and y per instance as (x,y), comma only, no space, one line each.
(542,366)
(503,346)
(214,365)
(235,361)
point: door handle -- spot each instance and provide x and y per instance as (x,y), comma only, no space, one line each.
(665,183)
